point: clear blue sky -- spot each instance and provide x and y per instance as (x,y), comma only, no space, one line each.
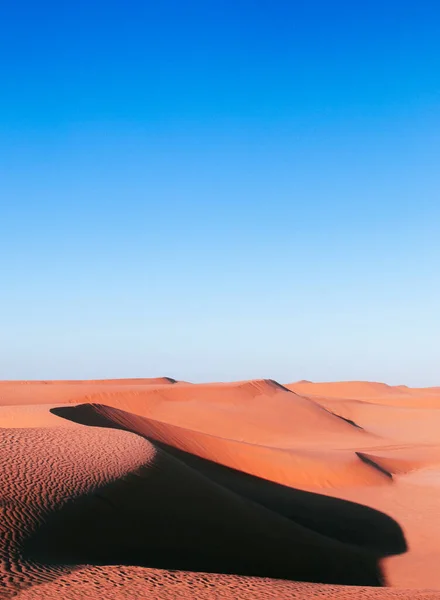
(218,190)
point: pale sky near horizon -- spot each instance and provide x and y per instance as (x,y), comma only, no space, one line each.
(220,190)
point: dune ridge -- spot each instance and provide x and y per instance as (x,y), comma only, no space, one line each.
(158,488)
(311,468)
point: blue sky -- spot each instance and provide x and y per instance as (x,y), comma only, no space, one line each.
(220,190)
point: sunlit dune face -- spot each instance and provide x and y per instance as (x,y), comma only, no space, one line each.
(253,488)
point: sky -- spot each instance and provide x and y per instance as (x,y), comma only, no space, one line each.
(220,190)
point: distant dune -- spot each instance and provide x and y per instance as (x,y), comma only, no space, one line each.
(154,488)
(347,389)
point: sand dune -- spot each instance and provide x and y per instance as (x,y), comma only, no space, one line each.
(371,392)
(153,584)
(399,424)
(400,461)
(347,389)
(310,468)
(161,489)
(133,502)
(256,412)
(14,393)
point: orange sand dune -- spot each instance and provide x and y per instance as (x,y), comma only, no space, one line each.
(308,468)
(152,488)
(398,424)
(400,461)
(257,412)
(53,392)
(134,502)
(372,392)
(153,584)
(347,389)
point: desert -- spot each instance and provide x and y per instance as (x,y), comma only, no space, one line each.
(156,488)
(219,300)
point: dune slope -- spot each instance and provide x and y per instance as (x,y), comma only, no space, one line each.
(161,489)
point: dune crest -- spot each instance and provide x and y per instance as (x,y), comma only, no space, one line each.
(162,488)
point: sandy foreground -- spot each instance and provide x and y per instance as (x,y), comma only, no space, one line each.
(154,488)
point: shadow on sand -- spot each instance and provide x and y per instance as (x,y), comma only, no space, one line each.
(187,513)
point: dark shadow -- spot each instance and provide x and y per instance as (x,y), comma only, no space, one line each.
(187,513)
(345,521)
(372,463)
(280,386)
(349,421)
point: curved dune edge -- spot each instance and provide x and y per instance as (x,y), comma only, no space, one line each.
(42,469)
(256,412)
(305,468)
(107,495)
(313,487)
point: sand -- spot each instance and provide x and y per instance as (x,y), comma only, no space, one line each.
(154,488)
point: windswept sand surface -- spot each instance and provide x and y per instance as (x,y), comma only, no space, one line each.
(153,488)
